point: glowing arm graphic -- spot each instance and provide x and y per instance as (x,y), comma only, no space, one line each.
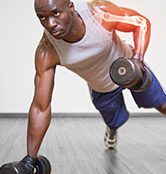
(125,20)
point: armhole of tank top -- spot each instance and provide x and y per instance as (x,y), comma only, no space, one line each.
(54,45)
(97,23)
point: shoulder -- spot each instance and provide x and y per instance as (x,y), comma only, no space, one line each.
(46,55)
(106,6)
(112,8)
(45,49)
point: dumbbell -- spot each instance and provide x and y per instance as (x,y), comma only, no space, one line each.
(42,166)
(130,73)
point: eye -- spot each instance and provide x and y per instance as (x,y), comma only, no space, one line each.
(56,14)
(42,18)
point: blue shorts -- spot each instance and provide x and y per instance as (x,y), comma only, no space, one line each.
(113,109)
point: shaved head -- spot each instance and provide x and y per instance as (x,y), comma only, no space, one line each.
(41,3)
(56,16)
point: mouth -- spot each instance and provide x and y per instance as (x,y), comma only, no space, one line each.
(56,32)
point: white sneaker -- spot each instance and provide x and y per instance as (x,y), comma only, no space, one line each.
(110,138)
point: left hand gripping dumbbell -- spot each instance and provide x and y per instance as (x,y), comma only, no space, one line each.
(130,73)
(27,165)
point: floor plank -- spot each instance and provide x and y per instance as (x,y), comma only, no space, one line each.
(74,145)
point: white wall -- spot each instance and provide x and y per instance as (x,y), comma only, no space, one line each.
(19,34)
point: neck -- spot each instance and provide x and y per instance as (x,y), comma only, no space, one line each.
(77,31)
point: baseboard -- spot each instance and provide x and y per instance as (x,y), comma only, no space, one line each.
(77,115)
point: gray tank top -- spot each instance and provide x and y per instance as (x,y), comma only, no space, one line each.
(92,56)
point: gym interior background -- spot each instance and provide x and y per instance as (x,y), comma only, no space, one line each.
(75,144)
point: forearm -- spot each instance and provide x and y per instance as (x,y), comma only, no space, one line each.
(141,38)
(38,123)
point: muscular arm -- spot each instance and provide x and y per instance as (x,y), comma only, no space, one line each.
(40,110)
(123,19)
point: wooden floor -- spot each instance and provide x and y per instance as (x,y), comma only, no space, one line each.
(74,145)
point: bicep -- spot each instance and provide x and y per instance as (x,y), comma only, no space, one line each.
(44,83)
(118,18)
(46,60)
(130,21)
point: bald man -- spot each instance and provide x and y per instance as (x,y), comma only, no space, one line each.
(83,38)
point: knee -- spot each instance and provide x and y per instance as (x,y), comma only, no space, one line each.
(162,108)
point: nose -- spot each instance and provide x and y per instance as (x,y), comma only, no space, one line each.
(52,22)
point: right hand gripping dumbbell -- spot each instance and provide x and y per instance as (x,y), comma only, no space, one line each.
(27,165)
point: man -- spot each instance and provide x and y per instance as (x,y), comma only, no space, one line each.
(82,37)
(84,40)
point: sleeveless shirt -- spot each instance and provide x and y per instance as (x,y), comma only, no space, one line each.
(91,57)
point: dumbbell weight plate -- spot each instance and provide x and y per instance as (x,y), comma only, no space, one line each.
(125,72)
(43,166)
(10,168)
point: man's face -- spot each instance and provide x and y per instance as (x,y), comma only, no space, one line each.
(56,16)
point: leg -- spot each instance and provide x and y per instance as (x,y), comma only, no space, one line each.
(162,108)
(113,110)
(153,97)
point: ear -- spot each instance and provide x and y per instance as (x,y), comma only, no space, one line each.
(71,6)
